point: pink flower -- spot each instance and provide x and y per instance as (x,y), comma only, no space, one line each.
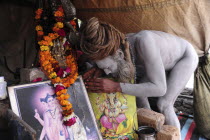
(68,70)
(70,122)
(66,44)
(60,72)
(61,32)
(37,79)
(58,88)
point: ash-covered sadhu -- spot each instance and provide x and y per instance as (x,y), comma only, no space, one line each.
(155,52)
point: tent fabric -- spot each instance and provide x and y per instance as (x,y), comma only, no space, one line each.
(202,96)
(189,19)
(16,25)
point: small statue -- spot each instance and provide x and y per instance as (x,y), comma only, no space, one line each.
(58,50)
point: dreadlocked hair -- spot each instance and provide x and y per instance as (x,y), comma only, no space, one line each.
(99,39)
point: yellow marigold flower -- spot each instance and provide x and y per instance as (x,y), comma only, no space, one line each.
(39,28)
(44,48)
(40,33)
(55,29)
(63,91)
(59,93)
(39,11)
(66,96)
(63,97)
(48,67)
(50,70)
(56,80)
(71,81)
(51,35)
(65,84)
(37,17)
(53,75)
(42,58)
(47,38)
(59,24)
(51,43)
(56,35)
(68,107)
(46,62)
(43,42)
(64,102)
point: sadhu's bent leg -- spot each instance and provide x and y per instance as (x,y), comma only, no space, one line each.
(178,78)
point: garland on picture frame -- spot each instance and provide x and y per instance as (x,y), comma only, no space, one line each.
(61,77)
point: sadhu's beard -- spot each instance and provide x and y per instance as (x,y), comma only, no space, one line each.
(125,71)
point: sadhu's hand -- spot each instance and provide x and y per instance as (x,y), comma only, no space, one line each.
(100,85)
(92,73)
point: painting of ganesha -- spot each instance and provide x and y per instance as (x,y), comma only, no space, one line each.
(115,113)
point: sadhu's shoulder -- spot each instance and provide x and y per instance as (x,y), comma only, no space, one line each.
(144,34)
(148,33)
(159,35)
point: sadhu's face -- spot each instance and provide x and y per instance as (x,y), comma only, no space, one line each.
(108,64)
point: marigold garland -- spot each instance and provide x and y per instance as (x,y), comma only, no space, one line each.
(61,78)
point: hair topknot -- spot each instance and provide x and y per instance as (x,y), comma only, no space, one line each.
(99,39)
(91,28)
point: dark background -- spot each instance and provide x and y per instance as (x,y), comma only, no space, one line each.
(17,38)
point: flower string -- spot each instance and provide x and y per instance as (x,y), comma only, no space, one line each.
(60,77)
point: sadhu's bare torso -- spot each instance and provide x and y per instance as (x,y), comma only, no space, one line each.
(171,48)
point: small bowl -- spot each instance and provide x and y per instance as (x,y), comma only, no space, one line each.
(146,133)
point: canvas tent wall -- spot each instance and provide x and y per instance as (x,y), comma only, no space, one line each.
(189,19)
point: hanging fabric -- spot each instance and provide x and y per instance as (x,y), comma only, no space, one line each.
(202,96)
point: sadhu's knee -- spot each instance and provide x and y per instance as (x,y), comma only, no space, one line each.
(191,56)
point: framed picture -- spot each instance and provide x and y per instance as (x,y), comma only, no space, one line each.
(36,104)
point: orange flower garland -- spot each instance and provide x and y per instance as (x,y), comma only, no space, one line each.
(49,65)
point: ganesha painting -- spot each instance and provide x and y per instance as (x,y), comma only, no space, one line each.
(115,114)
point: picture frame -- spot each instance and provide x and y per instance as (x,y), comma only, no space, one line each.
(36,104)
